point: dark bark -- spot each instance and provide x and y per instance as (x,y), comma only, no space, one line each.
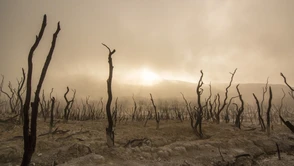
(157,118)
(29,134)
(135,109)
(189,111)
(227,115)
(291,93)
(278,150)
(268,118)
(69,104)
(240,110)
(264,90)
(19,94)
(199,112)
(259,114)
(221,107)
(288,124)
(109,129)
(51,114)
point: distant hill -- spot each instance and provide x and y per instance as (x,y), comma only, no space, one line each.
(167,89)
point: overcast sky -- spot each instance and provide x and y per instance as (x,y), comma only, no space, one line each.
(173,38)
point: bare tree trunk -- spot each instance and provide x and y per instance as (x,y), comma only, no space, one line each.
(109,129)
(221,108)
(288,124)
(69,104)
(259,114)
(291,93)
(135,109)
(268,119)
(157,118)
(29,134)
(240,110)
(189,111)
(51,114)
(19,94)
(227,115)
(199,112)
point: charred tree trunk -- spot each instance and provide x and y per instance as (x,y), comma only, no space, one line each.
(29,133)
(221,108)
(69,104)
(259,114)
(268,118)
(189,112)
(240,110)
(288,124)
(227,115)
(109,129)
(199,91)
(51,114)
(135,109)
(157,117)
(19,94)
(291,93)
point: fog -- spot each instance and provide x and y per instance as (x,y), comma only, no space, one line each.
(173,39)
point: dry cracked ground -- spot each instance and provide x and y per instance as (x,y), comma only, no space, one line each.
(83,143)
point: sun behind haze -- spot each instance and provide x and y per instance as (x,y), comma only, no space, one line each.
(154,40)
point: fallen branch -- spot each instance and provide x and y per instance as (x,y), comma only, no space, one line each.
(137,142)
(288,124)
(221,154)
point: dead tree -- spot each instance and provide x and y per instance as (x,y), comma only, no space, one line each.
(227,116)
(212,110)
(51,114)
(148,117)
(264,90)
(239,110)
(135,109)
(13,99)
(281,106)
(109,129)
(221,107)
(288,124)
(268,118)
(157,117)
(261,122)
(69,104)
(19,94)
(291,93)
(199,111)
(189,111)
(45,105)
(29,133)
(100,114)
(208,105)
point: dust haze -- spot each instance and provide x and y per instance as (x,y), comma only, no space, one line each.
(173,39)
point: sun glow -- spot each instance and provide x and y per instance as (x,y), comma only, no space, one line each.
(142,76)
(148,77)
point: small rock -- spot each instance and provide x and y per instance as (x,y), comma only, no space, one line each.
(145,148)
(180,149)
(146,155)
(163,154)
(136,149)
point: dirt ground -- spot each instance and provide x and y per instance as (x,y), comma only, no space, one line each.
(174,143)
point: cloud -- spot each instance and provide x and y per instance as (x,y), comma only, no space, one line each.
(172,38)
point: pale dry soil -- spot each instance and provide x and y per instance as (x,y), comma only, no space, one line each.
(174,143)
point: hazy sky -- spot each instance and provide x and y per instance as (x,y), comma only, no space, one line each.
(172,38)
